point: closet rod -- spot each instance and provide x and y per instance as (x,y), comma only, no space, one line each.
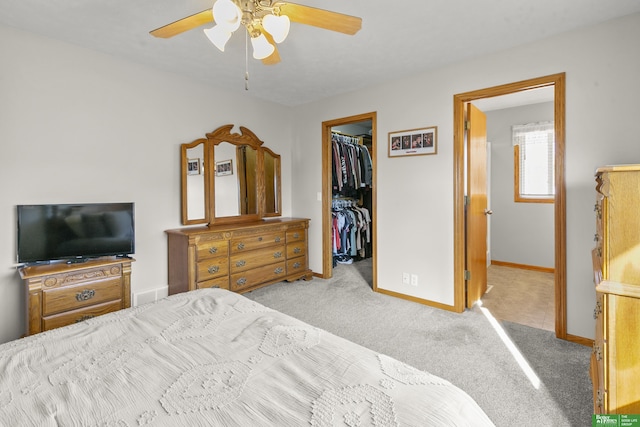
(344,134)
(359,138)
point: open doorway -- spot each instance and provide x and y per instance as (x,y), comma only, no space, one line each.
(360,129)
(462,232)
(520,229)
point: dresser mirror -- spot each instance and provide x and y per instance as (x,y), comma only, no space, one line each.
(194,185)
(236,189)
(273,204)
(242,183)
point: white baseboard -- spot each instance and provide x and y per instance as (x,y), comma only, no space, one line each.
(148,296)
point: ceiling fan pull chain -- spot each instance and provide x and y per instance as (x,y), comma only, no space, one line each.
(246,60)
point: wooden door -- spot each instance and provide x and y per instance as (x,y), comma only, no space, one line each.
(476,209)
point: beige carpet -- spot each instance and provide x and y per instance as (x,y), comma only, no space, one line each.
(520,296)
(463,348)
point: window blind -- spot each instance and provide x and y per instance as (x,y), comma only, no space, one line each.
(536,143)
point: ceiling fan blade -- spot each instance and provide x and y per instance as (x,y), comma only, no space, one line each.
(321,18)
(184,24)
(274,58)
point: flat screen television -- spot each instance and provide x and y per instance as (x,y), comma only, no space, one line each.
(74,232)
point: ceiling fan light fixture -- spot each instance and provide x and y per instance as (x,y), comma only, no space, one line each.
(227,14)
(218,35)
(261,47)
(277,26)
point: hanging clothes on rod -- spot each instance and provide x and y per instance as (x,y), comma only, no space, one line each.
(351,165)
(351,231)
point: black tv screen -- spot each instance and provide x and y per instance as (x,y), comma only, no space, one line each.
(74,231)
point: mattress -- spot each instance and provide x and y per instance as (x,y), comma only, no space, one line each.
(215,358)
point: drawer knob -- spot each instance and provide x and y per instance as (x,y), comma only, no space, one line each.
(278,239)
(600,399)
(241,281)
(598,310)
(85,295)
(213,250)
(296,235)
(296,265)
(297,250)
(597,351)
(277,254)
(213,269)
(279,270)
(260,239)
(241,263)
(240,245)
(85,317)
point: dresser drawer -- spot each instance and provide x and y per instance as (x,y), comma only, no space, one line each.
(212,248)
(82,295)
(257,258)
(257,276)
(214,267)
(297,265)
(218,282)
(296,235)
(296,249)
(75,316)
(255,241)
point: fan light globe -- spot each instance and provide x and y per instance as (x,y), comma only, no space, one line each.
(261,47)
(277,26)
(227,14)
(219,36)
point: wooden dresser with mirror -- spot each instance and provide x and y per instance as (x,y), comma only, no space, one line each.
(231,183)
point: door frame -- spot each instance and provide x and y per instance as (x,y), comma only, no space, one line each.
(327,252)
(557,81)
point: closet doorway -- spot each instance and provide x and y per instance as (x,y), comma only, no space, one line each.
(362,128)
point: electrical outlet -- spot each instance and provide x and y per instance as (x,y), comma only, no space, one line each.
(405,278)
(414,280)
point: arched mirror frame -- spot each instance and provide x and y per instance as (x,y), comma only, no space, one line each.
(214,138)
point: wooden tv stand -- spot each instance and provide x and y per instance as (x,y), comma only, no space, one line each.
(61,294)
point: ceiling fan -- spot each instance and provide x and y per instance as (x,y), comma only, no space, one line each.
(266,21)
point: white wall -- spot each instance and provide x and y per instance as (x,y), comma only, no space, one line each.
(415,195)
(521,233)
(80,126)
(76,125)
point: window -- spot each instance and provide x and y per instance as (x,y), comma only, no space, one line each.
(534,155)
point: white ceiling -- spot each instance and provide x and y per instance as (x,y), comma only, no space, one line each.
(398,38)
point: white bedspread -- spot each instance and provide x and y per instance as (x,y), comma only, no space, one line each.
(215,358)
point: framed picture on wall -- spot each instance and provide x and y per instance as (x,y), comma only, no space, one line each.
(224,168)
(193,167)
(413,142)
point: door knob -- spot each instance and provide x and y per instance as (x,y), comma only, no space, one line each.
(488,211)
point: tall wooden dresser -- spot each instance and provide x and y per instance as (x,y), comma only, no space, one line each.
(238,257)
(615,361)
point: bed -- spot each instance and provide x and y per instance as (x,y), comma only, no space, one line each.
(211,357)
